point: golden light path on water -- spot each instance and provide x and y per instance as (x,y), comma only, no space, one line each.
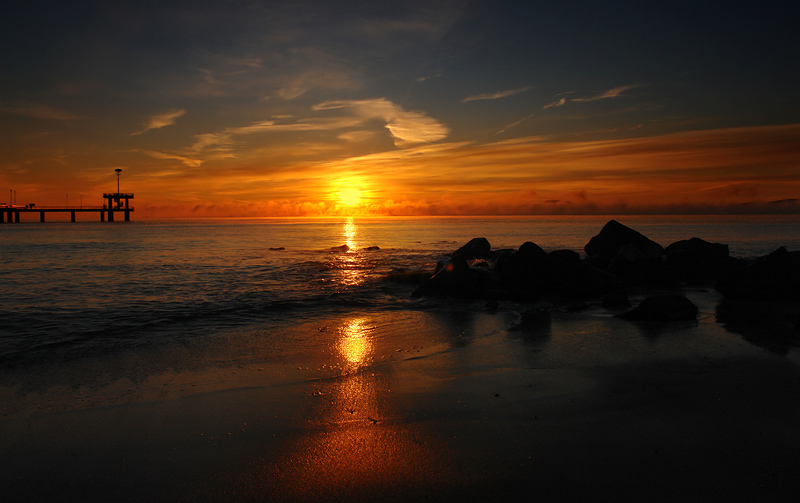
(355,444)
(350,232)
(350,262)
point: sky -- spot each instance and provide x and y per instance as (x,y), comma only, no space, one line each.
(309,108)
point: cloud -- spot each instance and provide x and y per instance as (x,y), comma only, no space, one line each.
(407,127)
(558,103)
(192,163)
(161,120)
(356,136)
(611,93)
(514,124)
(428,77)
(494,96)
(695,171)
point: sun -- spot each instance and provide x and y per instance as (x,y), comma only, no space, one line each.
(350,197)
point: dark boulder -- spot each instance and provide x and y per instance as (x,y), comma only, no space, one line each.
(527,267)
(561,260)
(565,267)
(613,237)
(635,268)
(772,277)
(616,300)
(699,248)
(475,248)
(342,248)
(458,279)
(662,308)
(585,281)
(696,260)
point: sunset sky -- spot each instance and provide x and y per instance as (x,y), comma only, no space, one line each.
(247,108)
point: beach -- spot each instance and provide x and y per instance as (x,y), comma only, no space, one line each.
(264,361)
(453,406)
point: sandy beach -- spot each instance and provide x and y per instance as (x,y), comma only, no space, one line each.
(445,405)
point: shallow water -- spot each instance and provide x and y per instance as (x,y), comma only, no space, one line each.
(191,356)
(78,290)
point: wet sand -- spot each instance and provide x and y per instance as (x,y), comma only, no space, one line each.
(449,406)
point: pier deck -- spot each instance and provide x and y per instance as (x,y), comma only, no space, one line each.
(117,203)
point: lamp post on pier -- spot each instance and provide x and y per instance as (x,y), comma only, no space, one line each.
(118,171)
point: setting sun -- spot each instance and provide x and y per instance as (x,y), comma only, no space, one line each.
(350,197)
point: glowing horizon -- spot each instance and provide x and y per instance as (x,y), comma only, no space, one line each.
(326,109)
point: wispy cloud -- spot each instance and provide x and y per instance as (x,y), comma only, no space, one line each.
(514,124)
(407,127)
(192,163)
(428,77)
(161,120)
(558,103)
(356,136)
(497,95)
(611,93)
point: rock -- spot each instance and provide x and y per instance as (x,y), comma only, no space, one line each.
(773,277)
(633,267)
(458,279)
(409,277)
(767,324)
(560,259)
(372,248)
(585,281)
(279,248)
(526,269)
(475,248)
(616,300)
(629,255)
(662,308)
(696,260)
(699,248)
(613,237)
(343,248)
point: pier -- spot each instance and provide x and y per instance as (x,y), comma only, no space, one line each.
(116,203)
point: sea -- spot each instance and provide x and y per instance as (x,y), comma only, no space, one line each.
(75,291)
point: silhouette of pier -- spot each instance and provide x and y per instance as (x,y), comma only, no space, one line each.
(117,202)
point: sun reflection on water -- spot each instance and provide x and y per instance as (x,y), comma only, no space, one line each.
(351,263)
(350,231)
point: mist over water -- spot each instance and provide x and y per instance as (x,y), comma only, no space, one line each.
(72,290)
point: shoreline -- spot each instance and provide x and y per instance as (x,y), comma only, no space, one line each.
(438,406)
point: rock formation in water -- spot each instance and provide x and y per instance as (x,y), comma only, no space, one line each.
(618,258)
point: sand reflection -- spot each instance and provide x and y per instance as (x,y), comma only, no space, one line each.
(355,345)
(356,444)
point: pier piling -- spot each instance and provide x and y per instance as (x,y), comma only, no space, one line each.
(116,202)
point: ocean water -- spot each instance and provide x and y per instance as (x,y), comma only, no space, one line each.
(72,291)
